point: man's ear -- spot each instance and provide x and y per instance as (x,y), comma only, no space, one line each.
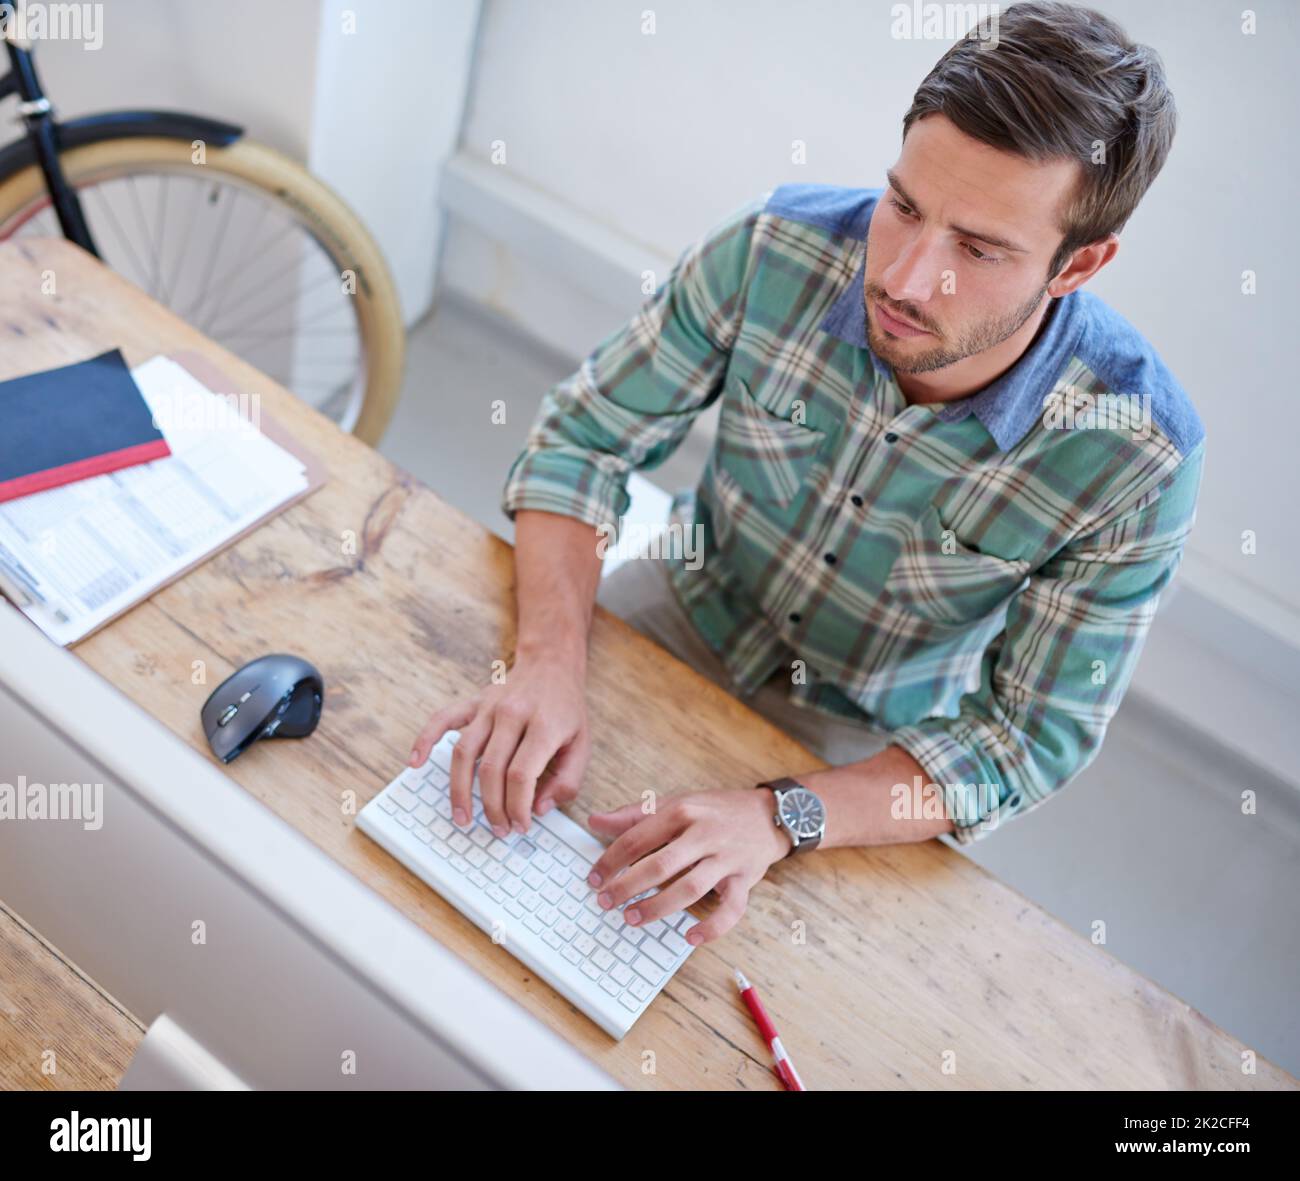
(1083,264)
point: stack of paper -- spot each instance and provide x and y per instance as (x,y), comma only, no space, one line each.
(84,552)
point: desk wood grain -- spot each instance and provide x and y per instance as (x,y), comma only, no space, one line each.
(878,965)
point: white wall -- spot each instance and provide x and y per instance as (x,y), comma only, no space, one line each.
(621,147)
(655,137)
(367,93)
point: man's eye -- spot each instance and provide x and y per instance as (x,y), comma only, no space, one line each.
(905,210)
(981,256)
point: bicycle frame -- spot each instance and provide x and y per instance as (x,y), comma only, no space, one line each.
(42,132)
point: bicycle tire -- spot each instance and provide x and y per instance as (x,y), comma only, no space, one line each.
(321,212)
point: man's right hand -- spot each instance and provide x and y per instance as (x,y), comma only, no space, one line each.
(529,737)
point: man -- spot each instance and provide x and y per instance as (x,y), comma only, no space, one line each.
(946,491)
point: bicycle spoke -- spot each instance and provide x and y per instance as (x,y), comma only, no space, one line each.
(212,254)
(117,229)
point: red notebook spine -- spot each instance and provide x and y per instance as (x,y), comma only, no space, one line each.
(83,469)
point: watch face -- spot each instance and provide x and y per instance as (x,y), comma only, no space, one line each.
(802,811)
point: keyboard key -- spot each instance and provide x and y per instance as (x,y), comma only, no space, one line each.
(572,956)
(441,847)
(534,879)
(588,922)
(402,798)
(604,936)
(406,820)
(443,808)
(657,952)
(655,927)
(499,851)
(542,862)
(563,854)
(551,939)
(441,828)
(494,871)
(514,909)
(629,1002)
(602,959)
(565,930)
(532,923)
(429,795)
(551,892)
(610,986)
(477,858)
(622,973)
(675,943)
(497,895)
(440,756)
(530,900)
(560,876)
(569,908)
(640,989)
(512,886)
(516,864)
(585,943)
(481,837)
(459,842)
(648,968)
(578,888)
(591,971)
(422,835)
(387,804)
(545,841)
(459,863)
(478,879)
(625,951)
(548,915)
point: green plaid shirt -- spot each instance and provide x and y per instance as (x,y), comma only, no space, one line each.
(976,577)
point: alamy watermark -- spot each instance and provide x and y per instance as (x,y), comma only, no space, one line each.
(920,800)
(1078,410)
(945,22)
(202,410)
(24,23)
(636,539)
(83,802)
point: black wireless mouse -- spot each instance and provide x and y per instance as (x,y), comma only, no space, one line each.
(277,696)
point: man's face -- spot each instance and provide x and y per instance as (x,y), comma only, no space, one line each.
(966,292)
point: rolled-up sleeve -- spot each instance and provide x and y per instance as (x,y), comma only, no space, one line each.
(634,398)
(1055,677)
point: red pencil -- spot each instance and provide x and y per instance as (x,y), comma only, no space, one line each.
(781,1063)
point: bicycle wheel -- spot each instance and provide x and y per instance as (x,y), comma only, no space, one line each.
(249,248)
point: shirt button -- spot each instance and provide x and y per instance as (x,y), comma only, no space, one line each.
(795,617)
(890,437)
(831,559)
(857,501)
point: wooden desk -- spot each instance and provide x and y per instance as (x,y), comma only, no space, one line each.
(875,963)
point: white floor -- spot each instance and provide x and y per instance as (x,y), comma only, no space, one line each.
(1150,838)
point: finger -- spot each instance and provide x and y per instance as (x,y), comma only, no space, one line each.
(564,779)
(733,898)
(450,717)
(617,822)
(655,870)
(507,730)
(685,891)
(643,835)
(464,755)
(529,761)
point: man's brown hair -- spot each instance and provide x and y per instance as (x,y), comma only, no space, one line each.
(1061,81)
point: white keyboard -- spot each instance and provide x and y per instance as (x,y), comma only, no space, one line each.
(529,891)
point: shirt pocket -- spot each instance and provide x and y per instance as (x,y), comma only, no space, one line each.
(950,583)
(767,455)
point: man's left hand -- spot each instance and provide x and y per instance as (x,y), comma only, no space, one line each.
(715,840)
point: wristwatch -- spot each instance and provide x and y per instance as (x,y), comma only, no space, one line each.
(800,812)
